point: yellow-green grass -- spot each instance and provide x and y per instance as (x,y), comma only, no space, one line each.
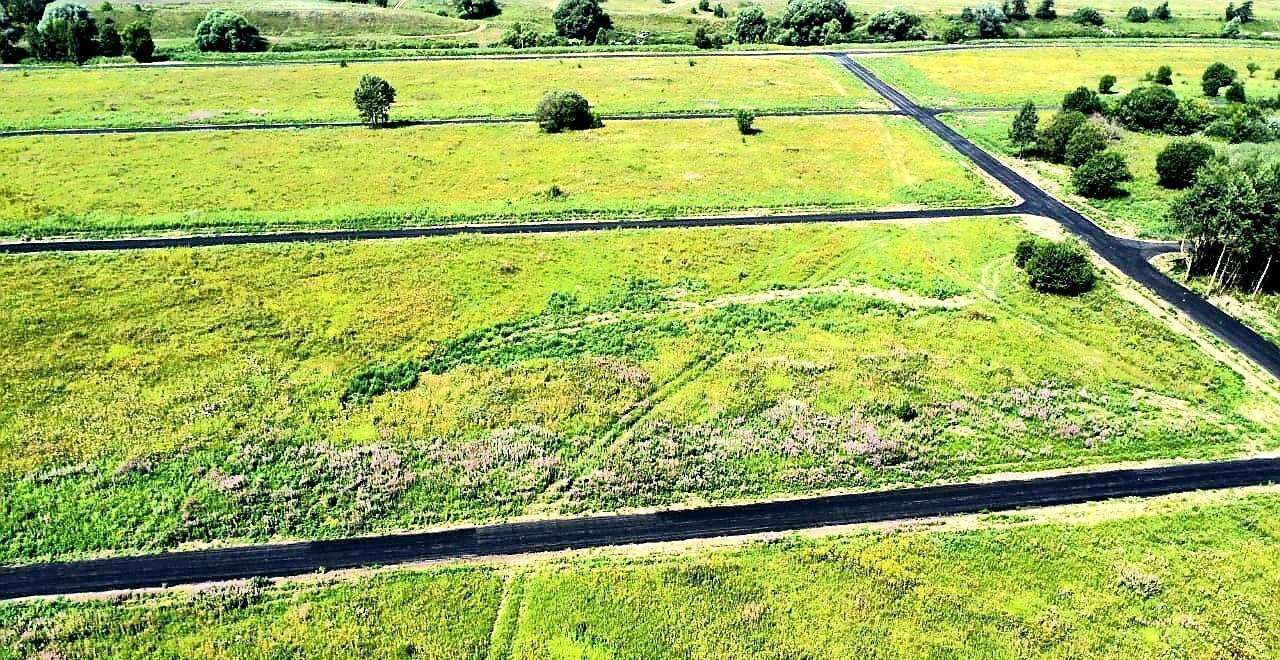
(155,398)
(1142,209)
(423,175)
(1009,77)
(178,20)
(1149,580)
(424,90)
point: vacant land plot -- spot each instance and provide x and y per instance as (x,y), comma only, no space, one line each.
(1155,580)
(424,175)
(150,399)
(1142,209)
(1009,77)
(424,90)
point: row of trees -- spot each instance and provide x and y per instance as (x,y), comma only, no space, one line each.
(67,32)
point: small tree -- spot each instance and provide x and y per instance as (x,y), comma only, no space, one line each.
(580,19)
(1164,75)
(1088,139)
(1178,162)
(704,38)
(373,98)
(1106,84)
(1235,92)
(1147,108)
(1051,141)
(954,33)
(1217,76)
(1083,100)
(1191,116)
(1244,13)
(1088,16)
(896,25)
(990,20)
(564,111)
(1100,175)
(719,11)
(1022,134)
(746,120)
(137,42)
(109,42)
(474,9)
(1018,11)
(1060,267)
(1137,15)
(1161,12)
(1045,10)
(1252,67)
(750,25)
(228,32)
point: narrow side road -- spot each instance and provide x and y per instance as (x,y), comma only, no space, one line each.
(280,560)
(529,227)
(1124,255)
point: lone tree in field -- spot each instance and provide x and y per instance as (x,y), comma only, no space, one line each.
(1161,12)
(1022,134)
(1061,267)
(580,19)
(373,99)
(1164,75)
(1217,76)
(228,32)
(746,122)
(1106,84)
(564,111)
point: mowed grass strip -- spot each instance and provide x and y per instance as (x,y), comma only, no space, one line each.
(1150,579)
(424,90)
(152,399)
(1009,77)
(252,180)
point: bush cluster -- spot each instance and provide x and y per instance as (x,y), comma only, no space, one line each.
(565,111)
(1060,267)
(225,31)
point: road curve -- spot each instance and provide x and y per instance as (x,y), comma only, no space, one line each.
(533,227)
(1125,256)
(280,560)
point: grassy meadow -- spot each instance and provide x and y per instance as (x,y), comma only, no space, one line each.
(253,180)
(1010,77)
(1169,578)
(62,98)
(327,390)
(1141,210)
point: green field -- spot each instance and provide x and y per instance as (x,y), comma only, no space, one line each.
(1159,579)
(150,399)
(1142,210)
(424,90)
(289,18)
(357,177)
(1010,77)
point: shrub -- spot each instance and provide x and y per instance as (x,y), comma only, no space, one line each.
(476,8)
(1214,78)
(1106,84)
(810,22)
(1099,176)
(1191,116)
(373,98)
(704,39)
(1052,139)
(954,34)
(1178,162)
(228,32)
(896,25)
(1060,267)
(109,42)
(1137,15)
(137,42)
(1088,139)
(1235,92)
(1164,75)
(1241,14)
(719,11)
(750,26)
(745,120)
(564,111)
(1083,100)
(1276,75)
(517,36)
(1022,134)
(1232,29)
(990,20)
(381,378)
(1252,67)
(1161,12)
(1088,16)
(580,19)
(67,32)
(1045,10)
(1018,11)
(704,5)
(1147,108)
(1241,122)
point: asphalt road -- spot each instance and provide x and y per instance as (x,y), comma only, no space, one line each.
(1124,255)
(279,560)
(549,227)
